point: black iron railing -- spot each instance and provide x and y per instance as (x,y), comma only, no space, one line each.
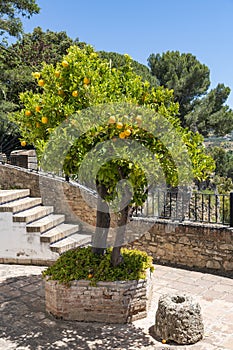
(196,206)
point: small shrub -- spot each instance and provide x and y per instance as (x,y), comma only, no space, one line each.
(82,264)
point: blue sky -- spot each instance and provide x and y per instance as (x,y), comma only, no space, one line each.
(141,27)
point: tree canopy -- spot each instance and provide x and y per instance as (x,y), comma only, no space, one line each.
(200,110)
(51,117)
(10,16)
(117,60)
(17,62)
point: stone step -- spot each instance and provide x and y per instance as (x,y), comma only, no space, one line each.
(71,242)
(59,232)
(32,214)
(20,204)
(11,195)
(45,223)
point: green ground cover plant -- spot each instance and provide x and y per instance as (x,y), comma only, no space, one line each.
(83,264)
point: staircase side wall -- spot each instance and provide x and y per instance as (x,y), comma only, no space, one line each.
(19,246)
(65,197)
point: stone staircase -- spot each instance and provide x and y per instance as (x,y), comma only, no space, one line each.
(31,232)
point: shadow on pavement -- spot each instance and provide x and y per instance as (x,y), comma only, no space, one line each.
(25,323)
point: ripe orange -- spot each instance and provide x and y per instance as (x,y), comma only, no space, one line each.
(57,74)
(119,125)
(112,120)
(86,81)
(164,341)
(65,64)
(44,120)
(23,143)
(28,113)
(75,93)
(38,108)
(36,75)
(122,135)
(41,82)
(127,132)
(90,275)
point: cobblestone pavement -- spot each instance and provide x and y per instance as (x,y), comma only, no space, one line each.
(24,324)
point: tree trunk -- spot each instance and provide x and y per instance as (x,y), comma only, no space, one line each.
(116,257)
(99,241)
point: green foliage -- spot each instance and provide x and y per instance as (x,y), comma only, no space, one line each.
(223,160)
(224,185)
(83,264)
(118,60)
(17,62)
(199,110)
(10,12)
(8,132)
(105,85)
(203,164)
(210,114)
(184,74)
(27,55)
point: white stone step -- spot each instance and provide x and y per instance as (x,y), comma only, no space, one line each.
(45,223)
(32,214)
(71,242)
(59,232)
(20,204)
(11,195)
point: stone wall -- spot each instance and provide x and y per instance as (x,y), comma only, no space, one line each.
(204,246)
(111,302)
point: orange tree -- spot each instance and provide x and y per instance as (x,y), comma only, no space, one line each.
(64,125)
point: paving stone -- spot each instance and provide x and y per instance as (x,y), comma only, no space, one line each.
(24,324)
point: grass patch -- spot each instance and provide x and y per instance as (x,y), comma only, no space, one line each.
(82,264)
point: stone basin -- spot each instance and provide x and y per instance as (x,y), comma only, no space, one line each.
(178,318)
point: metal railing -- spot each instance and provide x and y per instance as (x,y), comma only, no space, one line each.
(196,206)
(178,205)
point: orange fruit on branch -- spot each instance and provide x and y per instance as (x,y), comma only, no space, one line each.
(127,132)
(122,135)
(119,125)
(36,75)
(75,93)
(23,143)
(65,64)
(38,108)
(44,120)
(86,81)
(28,113)
(41,82)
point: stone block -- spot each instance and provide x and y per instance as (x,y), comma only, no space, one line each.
(213,264)
(178,318)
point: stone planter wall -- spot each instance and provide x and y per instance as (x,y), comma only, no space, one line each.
(108,302)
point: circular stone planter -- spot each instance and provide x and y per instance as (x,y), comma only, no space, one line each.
(178,318)
(108,302)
